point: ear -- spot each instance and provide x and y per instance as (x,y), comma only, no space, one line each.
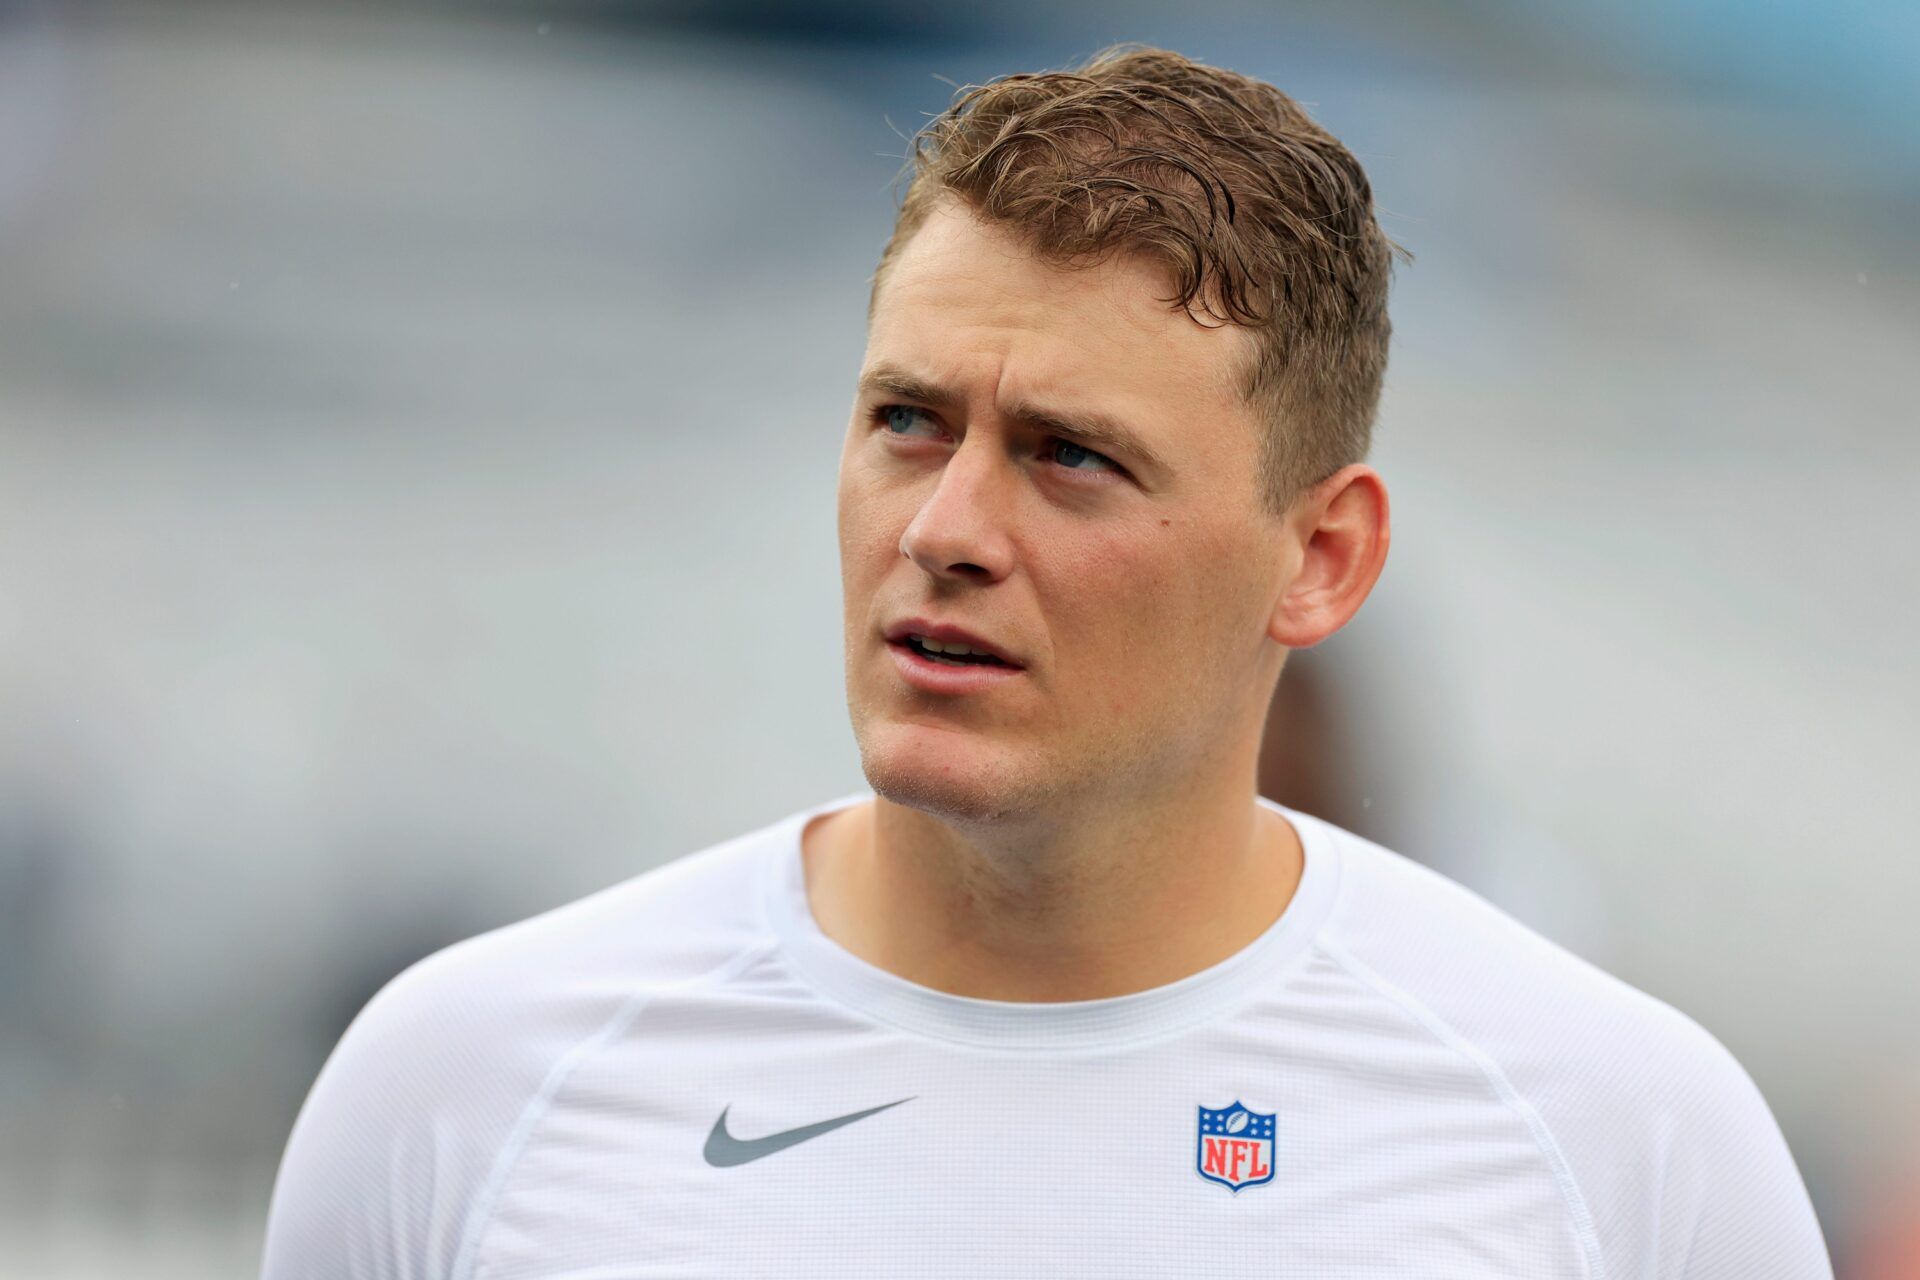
(1340,529)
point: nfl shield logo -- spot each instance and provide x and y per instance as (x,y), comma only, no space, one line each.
(1234,1146)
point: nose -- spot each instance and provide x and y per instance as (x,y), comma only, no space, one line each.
(959,531)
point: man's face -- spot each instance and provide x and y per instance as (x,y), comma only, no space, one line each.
(1130,582)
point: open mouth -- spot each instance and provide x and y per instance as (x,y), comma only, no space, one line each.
(952,655)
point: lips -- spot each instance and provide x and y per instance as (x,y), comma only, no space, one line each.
(897,634)
(939,676)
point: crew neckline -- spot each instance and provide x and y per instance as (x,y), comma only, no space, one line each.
(1075,1024)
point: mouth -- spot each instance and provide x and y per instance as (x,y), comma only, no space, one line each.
(948,654)
(938,658)
(945,644)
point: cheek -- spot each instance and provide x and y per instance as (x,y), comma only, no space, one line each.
(1217,593)
(1146,617)
(1108,598)
(873,517)
(1140,577)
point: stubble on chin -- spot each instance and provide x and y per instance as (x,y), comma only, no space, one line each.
(981,783)
(963,793)
(902,768)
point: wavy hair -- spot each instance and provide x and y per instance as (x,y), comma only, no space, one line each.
(1262,218)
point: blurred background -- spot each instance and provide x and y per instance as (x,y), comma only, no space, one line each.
(418,426)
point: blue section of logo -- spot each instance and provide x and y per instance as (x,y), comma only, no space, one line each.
(1234,1146)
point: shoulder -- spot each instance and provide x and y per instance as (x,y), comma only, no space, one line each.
(1425,940)
(1669,1154)
(425,1090)
(536,984)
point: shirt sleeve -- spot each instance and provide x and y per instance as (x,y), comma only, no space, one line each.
(397,1139)
(1734,1198)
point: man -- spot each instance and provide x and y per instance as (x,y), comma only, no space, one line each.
(1062,996)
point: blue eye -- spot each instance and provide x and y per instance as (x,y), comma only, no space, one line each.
(904,421)
(1069,455)
(899,418)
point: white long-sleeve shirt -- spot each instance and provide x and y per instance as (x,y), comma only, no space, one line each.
(681,1076)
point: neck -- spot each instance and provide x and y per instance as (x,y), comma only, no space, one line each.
(1083,907)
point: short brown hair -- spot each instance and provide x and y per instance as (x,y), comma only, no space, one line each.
(1262,217)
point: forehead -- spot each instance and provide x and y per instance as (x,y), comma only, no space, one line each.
(965,299)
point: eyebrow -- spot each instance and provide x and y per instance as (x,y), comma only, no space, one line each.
(1106,433)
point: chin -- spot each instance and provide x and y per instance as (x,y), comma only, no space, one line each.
(942,774)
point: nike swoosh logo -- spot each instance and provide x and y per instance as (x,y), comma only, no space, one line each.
(725,1151)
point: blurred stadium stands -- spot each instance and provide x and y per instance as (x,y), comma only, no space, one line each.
(418,427)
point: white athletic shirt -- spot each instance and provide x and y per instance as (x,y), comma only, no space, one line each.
(681,1076)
